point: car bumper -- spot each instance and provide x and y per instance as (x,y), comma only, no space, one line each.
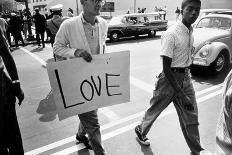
(200,62)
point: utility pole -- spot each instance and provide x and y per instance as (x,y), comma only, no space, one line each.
(134,6)
(77,7)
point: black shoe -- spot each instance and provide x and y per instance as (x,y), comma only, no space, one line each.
(140,138)
(84,140)
(43,45)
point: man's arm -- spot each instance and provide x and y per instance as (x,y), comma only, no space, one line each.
(61,45)
(10,67)
(174,83)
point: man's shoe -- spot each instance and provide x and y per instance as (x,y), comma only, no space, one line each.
(84,140)
(140,138)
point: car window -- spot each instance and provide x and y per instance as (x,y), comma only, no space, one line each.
(203,23)
(215,22)
(132,20)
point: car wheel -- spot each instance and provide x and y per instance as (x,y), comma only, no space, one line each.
(152,33)
(114,36)
(221,63)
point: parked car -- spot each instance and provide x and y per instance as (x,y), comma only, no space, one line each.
(213,42)
(135,24)
(204,12)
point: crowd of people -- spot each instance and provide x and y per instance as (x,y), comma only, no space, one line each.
(84,36)
(19,25)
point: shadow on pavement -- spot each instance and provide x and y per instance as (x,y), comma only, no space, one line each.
(36,50)
(83,152)
(47,108)
(207,77)
(146,150)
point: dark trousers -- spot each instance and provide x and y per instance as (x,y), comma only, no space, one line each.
(89,125)
(18,37)
(10,136)
(40,35)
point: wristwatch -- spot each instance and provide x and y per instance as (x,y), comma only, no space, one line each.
(15,81)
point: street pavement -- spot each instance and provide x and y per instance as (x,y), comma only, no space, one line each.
(44,134)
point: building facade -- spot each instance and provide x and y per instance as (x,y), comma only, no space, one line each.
(123,6)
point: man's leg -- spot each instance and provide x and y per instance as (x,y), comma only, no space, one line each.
(14,139)
(162,97)
(91,126)
(38,38)
(42,38)
(14,136)
(189,119)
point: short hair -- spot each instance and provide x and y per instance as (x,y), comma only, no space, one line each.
(185,2)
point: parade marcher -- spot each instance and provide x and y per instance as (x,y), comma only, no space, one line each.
(25,25)
(177,12)
(10,136)
(40,26)
(84,36)
(224,126)
(16,25)
(174,82)
(53,24)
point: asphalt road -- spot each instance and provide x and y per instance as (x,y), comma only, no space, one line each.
(44,134)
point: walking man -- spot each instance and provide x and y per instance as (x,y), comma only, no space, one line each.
(84,36)
(10,136)
(40,26)
(174,83)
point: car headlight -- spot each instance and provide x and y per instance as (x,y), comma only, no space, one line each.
(204,52)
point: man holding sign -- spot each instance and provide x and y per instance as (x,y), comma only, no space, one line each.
(84,36)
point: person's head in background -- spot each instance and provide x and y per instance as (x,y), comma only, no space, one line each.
(190,10)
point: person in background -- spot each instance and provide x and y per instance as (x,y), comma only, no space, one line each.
(25,25)
(40,26)
(174,83)
(10,136)
(177,12)
(53,24)
(224,126)
(70,12)
(16,25)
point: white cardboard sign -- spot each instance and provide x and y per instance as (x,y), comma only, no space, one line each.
(79,86)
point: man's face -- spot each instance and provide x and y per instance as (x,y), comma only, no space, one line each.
(191,12)
(93,7)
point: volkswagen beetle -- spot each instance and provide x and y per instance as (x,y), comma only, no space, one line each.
(213,42)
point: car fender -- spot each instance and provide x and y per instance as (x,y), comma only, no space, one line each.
(116,30)
(215,48)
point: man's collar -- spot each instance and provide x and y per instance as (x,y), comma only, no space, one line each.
(85,22)
(180,23)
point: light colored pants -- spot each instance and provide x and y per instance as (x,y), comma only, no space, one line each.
(89,125)
(163,95)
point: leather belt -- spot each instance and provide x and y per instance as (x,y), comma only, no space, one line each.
(180,70)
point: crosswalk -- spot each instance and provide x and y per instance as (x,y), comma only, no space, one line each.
(116,125)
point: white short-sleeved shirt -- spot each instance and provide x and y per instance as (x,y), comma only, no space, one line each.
(177,43)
